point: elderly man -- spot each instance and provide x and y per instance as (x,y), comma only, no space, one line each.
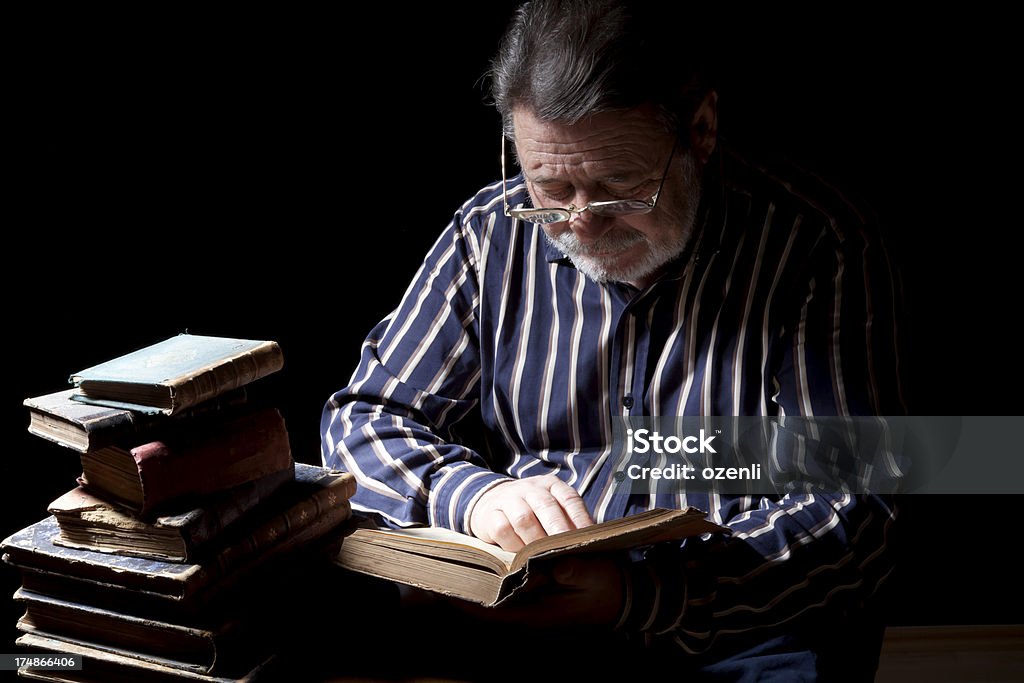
(634,267)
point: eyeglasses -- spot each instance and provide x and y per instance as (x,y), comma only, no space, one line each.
(615,207)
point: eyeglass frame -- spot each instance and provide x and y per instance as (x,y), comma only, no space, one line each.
(567,212)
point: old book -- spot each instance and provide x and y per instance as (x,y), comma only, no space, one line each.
(218,646)
(306,509)
(465,567)
(108,666)
(177,373)
(92,523)
(192,462)
(223,599)
(85,427)
(196,609)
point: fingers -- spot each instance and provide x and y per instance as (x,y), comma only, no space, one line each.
(523,519)
(571,503)
(503,532)
(548,512)
(510,526)
(515,513)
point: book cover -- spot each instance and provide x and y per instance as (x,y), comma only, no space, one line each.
(85,427)
(177,373)
(190,463)
(107,666)
(92,523)
(228,598)
(197,609)
(465,567)
(228,645)
(306,509)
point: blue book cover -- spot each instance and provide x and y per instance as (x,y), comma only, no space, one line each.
(176,373)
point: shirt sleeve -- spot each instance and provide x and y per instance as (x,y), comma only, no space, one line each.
(813,551)
(395,426)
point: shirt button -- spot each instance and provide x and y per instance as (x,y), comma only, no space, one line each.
(627,402)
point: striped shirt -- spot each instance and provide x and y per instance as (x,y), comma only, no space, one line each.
(503,360)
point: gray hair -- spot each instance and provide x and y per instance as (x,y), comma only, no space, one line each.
(565,60)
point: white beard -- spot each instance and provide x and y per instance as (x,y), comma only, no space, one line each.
(658,252)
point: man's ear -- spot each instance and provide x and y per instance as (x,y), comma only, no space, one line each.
(704,127)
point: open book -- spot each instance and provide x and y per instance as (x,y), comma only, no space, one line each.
(465,567)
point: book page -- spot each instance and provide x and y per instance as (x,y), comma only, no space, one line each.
(645,528)
(449,536)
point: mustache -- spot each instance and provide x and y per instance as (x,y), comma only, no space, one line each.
(617,240)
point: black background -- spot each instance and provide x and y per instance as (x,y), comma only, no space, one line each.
(280,176)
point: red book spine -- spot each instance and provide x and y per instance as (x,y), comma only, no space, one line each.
(240,450)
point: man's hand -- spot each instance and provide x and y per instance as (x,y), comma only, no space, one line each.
(516,512)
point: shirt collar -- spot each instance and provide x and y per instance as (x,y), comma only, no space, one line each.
(552,253)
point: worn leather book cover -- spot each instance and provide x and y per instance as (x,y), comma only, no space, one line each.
(228,598)
(177,373)
(224,646)
(308,508)
(85,427)
(189,463)
(92,523)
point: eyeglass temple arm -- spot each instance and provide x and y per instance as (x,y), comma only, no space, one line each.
(668,165)
(504,182)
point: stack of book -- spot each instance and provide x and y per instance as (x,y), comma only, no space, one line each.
(174,557)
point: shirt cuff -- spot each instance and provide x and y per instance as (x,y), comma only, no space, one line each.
(456,491)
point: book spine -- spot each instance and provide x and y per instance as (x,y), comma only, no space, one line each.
(301,540)
(239,371)
(110,425)
(321,512)
(254,446)
(215,519)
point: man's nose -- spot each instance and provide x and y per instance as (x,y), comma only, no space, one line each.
(588,226)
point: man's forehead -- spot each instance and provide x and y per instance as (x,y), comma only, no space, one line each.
(618,143)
